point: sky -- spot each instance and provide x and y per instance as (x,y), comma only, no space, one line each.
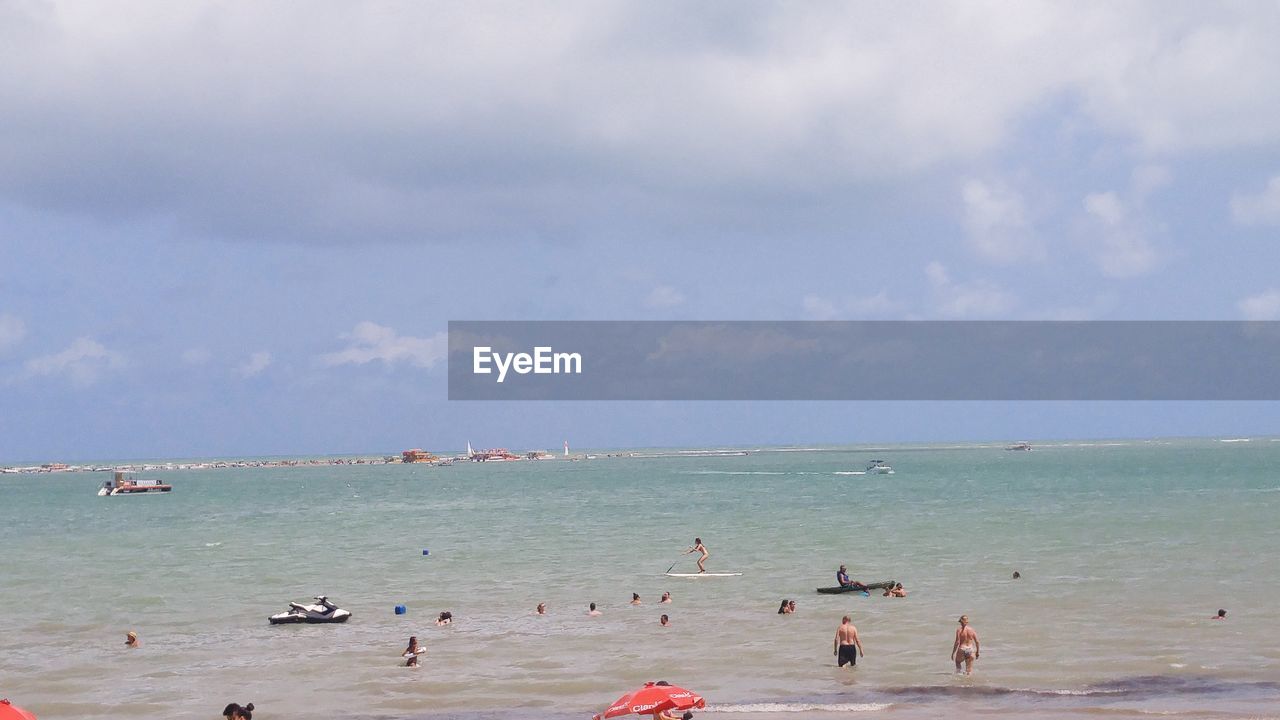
(241,228)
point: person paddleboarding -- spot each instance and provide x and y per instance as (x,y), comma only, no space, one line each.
(699,547)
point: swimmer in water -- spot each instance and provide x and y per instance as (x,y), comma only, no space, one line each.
(131,640)
(412,652)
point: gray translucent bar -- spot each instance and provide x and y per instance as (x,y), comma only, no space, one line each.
(865,360)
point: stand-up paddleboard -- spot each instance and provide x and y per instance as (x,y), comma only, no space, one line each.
(671,574)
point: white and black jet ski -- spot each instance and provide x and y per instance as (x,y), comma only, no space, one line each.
(322,611)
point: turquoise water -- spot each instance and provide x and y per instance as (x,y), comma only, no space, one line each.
(1126,550)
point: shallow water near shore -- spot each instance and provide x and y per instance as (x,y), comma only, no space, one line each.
(1126,549)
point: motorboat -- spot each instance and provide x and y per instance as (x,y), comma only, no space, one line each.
(1022,446)
(322,611)
(879,467)
(121,485)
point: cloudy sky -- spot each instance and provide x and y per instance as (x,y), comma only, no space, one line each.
(241,228)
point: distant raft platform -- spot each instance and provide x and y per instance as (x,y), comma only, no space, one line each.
(837,589)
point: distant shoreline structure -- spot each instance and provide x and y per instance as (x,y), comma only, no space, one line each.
(638,453)
(48,468)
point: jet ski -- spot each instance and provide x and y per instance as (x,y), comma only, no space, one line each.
(322,611)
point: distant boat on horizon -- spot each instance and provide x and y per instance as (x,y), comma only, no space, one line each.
(121,485)
(879,467)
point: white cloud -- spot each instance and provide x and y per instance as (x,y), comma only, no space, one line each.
(195,356)
(1120,229)
(1262,208)
(1146,179)
(254,366)
(819,308)
(996,220)
(82,362)
(12,330)
(979,299)
(1105,207)
(370,342)
(664,296)
(1263,306)
(799,97)
(875,306)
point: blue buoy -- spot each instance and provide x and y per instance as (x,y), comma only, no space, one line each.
(426,552)
(400,610)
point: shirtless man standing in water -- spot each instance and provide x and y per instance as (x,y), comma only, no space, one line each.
(966,647)
(699,547)
(848,646)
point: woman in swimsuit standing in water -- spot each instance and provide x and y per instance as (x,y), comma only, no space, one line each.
(966,648)
(699,547)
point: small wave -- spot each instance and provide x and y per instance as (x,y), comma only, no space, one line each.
(796,707)
(1063,693)
(214,544)
(1132,688)
(730,472)
(1234,440)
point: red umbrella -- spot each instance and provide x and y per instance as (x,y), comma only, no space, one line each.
(651,700)
(13,712)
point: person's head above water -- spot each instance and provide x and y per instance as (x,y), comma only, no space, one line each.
(964,619)
(843,568)
(1016,574)
(1221,613)
(697,541)
(593,606)
(635,596)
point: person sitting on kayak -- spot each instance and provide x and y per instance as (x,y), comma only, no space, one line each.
(842,577)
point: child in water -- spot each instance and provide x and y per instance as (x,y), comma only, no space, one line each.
(412,652)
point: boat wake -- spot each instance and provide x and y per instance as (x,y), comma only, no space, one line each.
(770,707)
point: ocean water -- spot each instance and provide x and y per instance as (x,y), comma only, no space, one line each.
(1125,549)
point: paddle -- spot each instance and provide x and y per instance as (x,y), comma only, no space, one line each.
(673,565)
